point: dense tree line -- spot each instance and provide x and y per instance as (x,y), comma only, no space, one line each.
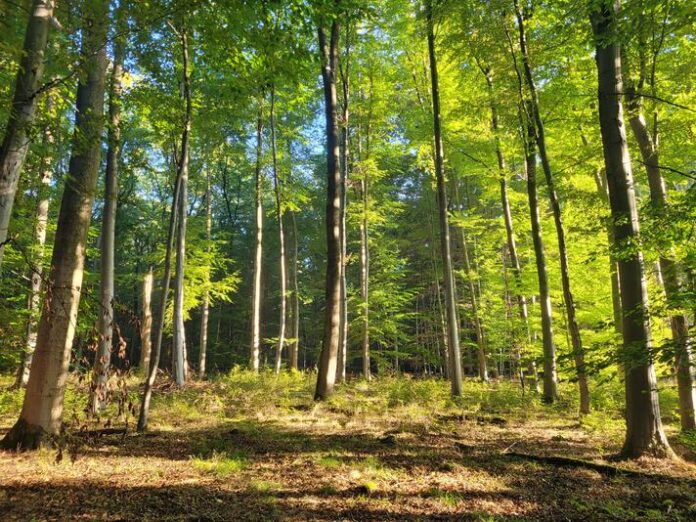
(499,190)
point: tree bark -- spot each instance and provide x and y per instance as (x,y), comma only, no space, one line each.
(205,305)
(365,273)
(540,138)
(295,302)
(644,432)
(332,316)
(105,326)
(179,339)
(146,322)
(450,290)
(281,242)
(254,361)
(42,410)
(550,381)
(36,276)
(669,269)
(16,140)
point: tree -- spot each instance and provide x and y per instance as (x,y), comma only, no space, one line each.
(16,140)
(42,408)
(256,299)
(334,192)
(644,432)
(450,290)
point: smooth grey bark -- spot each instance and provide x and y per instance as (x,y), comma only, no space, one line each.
(334,192)
(365,273)
(105,325)
(16,140)
(540,138)
(550,380)
(42,409)
(254,360)
(205,305)
(179,338)
(36,276)
(644,432)
(670,270)
(281,241)
(146,322)
(295,301)
(450,289)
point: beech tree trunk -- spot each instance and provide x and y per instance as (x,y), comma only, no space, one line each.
(205,305)
(550,381)
(179,338)
(450,290)
(644,432)
(42,410)
(365,273)
(146,322)
(332,316)
(669,269)
(281,242)
(36,276)
(16,140)
(295,302)
(540,138)
(254,361)
(105,326)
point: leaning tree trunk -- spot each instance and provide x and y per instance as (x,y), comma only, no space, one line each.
(179,338)
(36,277)
(332,316)
(205,305)
(668,267)
(540,138)
(644,432)
(281,242)
(105,326)
(254,361)
(16,140)
(42,410)
(146,322)
(550,381)
(450,290)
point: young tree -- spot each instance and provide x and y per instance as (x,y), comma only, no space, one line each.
(16,140)
(334,191)
(205,305)
(450,290)
(644,433)
(42,409)
(146,322)
(258,256)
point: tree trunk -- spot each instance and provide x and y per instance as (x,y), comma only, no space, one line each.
(365,273)
(36,277)
(281,242)
(450,290)
(669,269)
(146,322)
(294,346)
(105,326)
(205,305)
(42,409)
(179,338)
(550,378)
(540,138)
(254,360)
(332,317)
(16,141)
(644,433)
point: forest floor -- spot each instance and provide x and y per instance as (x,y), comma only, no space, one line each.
(257,448)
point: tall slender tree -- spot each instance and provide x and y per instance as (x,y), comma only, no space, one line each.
(16,140)
(644,432)
(254,361)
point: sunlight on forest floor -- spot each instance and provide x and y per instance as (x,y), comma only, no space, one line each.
(257,448)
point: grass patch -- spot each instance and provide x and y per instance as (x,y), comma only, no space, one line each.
(221,464)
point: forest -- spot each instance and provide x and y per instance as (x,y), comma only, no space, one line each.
(348,260)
